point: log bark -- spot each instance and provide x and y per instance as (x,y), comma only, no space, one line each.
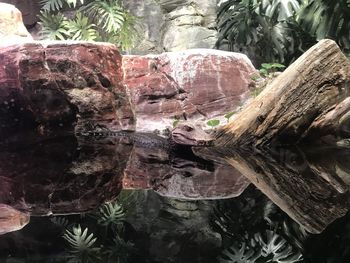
(300,103)
(309,191)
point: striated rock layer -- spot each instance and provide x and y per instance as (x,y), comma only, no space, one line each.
(195,85)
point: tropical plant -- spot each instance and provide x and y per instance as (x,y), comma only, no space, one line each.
(327,19)
(98,20)
(54,26)
(269,68)
(82,244)
(260,27)
(111,214)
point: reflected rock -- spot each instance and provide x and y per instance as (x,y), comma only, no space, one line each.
(310,192)
(12,219)
(60,176)
(181,174)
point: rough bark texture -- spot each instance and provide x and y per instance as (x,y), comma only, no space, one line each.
(312,197)
(311,87)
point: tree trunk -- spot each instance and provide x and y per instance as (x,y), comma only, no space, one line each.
(308,100)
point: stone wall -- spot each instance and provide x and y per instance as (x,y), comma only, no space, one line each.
(174,25)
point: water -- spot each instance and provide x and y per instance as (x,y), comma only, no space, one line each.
(72,200)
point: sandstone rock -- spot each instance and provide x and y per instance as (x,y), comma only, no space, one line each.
(30,10)
(62,85)
(11,25)
(187,37)
(196,85)
(150,17)
(171,25)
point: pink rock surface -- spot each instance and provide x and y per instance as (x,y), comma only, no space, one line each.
(196,84)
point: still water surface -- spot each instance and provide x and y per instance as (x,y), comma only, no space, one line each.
(71,200)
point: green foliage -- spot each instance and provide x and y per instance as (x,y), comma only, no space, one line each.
(107,13)
(98,20)
(111,214)
(53,26)
(229,115)
(260,27)
(213,123)
(268,68)
(82,244)
(81,28)
(327,19)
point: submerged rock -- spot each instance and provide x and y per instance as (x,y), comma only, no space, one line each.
(12,219)
(193,85)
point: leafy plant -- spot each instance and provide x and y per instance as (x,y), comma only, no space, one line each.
(268,68)
(98,20)
(212,123)
(260,27)
(111,214)
(327,19)
(82,244)
(81,28)
(53,26)
(229,115)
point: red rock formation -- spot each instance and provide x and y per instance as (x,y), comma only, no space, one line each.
(62,85)
(196,84)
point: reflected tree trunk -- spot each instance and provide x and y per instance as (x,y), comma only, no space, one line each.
(308,189)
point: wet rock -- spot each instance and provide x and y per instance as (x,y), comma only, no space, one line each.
(12,219)
(62,85)
(11,24)
(196,85)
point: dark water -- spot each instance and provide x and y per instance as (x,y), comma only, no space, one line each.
(112,201)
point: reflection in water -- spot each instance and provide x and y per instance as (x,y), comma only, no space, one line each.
(11,219)
(179,206)
(308,189)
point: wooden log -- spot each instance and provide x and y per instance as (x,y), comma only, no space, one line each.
(297,103)
(312,197)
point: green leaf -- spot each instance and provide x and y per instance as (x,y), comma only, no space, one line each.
(213,123)
(229,115)
(263,72)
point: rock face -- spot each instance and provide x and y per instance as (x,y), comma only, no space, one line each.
(173,25)
(29,9)
(11,24)
(55,85)
(194,85)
